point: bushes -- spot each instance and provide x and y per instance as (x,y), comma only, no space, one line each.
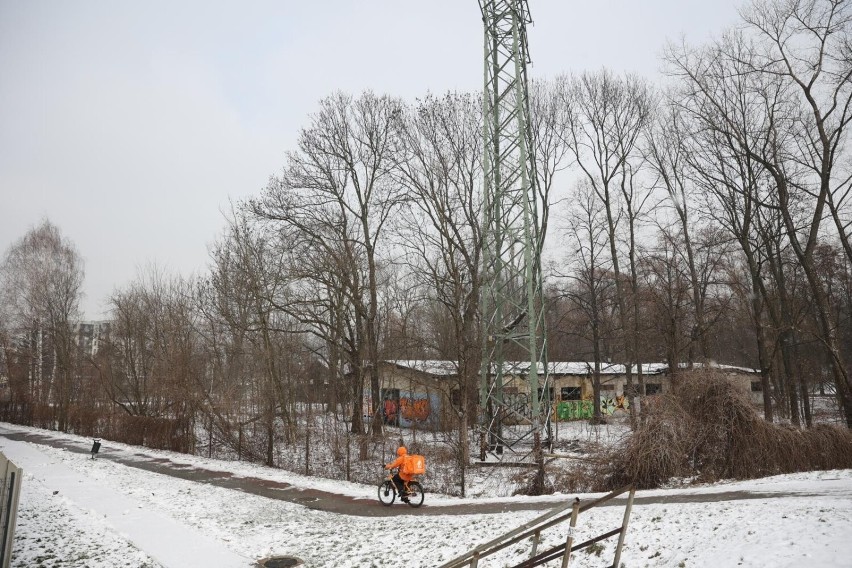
(83,420)
(157,433)
(708,430)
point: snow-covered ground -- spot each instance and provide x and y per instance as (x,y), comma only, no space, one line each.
(78,512)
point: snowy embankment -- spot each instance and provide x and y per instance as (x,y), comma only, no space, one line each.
(97,514)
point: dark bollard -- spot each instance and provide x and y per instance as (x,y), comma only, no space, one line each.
(95,447)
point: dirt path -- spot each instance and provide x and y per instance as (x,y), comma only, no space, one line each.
(335,503)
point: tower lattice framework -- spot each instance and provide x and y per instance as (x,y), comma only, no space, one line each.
(514,380)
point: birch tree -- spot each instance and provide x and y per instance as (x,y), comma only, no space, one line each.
(41,280)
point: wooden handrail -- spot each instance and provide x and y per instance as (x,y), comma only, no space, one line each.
(528,529)
(558,550)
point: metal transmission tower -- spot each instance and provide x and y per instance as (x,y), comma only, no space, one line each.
(514,414)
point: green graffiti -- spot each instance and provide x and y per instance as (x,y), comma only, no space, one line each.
(574,410)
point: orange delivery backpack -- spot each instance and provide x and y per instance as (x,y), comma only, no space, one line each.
(414,465)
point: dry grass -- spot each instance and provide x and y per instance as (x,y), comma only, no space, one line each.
(708,430)
(581,476)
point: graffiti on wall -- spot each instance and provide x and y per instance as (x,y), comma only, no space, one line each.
(407,409)
(415,409)
(574,410)
(582,409)
(613,404)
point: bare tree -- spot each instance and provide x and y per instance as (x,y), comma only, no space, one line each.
(40,289)
(151,344)
(667,285)
(667,156)
(806,44)
(337,192)
(151,364)
(440,232)
(225,304)
(783,301)
(793,141)
(592,280)
(733,193)
(607,119)
(550,113)
(251,280)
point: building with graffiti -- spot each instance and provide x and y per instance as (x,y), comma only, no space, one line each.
(417,394)
(420,393)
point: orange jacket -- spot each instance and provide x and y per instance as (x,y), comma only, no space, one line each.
(398,463)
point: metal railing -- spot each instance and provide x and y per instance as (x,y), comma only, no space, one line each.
(534,529)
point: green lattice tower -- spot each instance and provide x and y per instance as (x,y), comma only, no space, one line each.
(515,350)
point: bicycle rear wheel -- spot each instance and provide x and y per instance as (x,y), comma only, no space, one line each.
(387,493)
(415,494)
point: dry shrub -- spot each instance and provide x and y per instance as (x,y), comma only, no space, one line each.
(17,412)
(43,416)
(157,433)
(83,420)
(707,429)
(526,482)
(581,476)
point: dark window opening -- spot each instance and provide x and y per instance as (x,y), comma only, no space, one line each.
(635,390)
(571,393)
(548,395)
(455,398)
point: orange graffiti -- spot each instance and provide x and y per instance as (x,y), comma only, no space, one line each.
(390,409)
(415,409)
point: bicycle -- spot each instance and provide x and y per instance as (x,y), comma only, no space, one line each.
(388,493)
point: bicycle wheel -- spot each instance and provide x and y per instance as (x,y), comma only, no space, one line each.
(415,494)
(387,493)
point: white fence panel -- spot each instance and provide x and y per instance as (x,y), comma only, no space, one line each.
(10,489)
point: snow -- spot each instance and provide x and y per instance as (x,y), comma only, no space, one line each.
(174,542)
(79,512)
(450,368)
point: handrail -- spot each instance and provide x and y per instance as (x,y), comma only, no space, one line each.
(530,528)
(559,549)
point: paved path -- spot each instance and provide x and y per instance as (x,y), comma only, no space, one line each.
(171,543)
(331,502)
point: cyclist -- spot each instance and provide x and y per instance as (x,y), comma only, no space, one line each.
(400,478)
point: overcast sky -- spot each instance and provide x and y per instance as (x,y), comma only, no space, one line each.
(130,125)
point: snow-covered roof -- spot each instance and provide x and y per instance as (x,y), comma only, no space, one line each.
(431,366)
(714,365)
(586,368)
(443,368)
